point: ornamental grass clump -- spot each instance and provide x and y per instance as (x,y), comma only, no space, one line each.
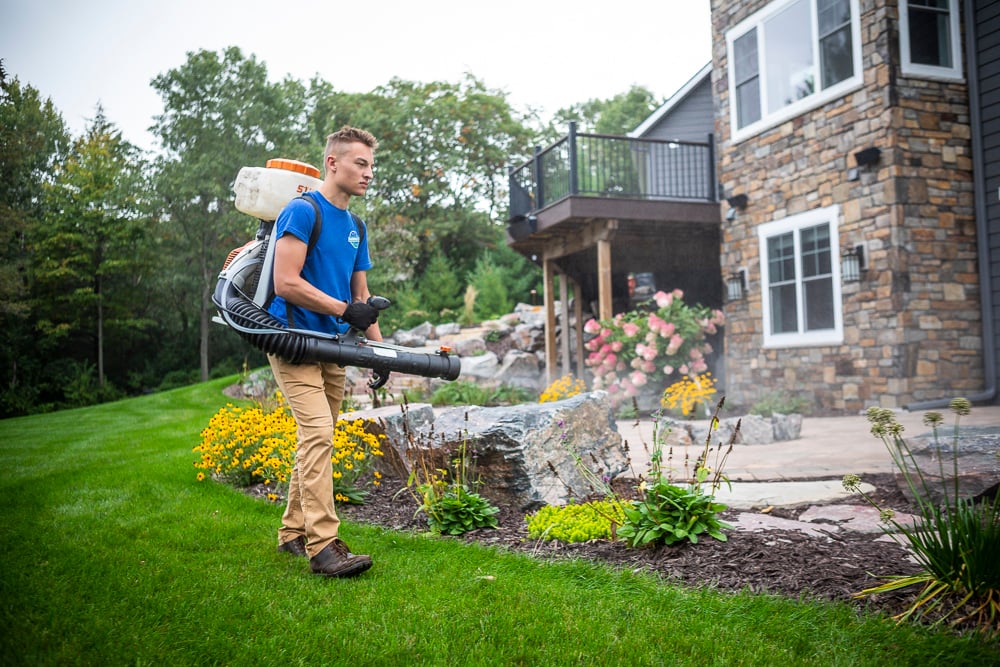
(956,541)
(667,512)
(243,446)
(640,348)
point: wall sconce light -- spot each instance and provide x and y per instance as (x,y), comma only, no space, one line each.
(736,202)
(852,264)
(736,285)
(866,157)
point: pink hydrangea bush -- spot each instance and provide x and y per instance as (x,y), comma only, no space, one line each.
(642,351)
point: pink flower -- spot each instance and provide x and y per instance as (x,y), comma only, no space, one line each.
(695,354)
(638,378)
(605,350)
(649,353)
(616,346)
(678,294)
(606,333)
(675,344)
(662,299)
(592,326)
(667,330)
(683,370)
(699,367)
(668,370)
(630,329)
(647,367)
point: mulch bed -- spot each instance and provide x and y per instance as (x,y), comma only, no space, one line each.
(787,563)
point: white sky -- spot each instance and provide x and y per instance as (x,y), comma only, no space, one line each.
(545,54)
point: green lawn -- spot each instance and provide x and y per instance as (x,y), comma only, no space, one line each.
(115,555)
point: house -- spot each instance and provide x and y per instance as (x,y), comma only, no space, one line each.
(856,145)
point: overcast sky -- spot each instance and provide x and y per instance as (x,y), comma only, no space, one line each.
(545,54)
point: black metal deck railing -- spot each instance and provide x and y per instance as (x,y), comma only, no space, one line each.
(597,165)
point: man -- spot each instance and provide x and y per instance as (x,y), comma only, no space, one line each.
(325,290)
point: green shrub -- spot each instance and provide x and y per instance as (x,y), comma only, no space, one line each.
(576,522)
(780,403)
(459,392)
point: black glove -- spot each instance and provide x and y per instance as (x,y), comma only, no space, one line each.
(360,315)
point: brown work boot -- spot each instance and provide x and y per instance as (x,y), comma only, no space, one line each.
(296,547)
(336,560)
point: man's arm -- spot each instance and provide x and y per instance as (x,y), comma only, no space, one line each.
(289,258)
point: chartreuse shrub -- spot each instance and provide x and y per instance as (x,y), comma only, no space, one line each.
(242,446)
(594,520)
(668,513)
(956,541)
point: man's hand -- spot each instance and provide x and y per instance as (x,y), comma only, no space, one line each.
(360,315)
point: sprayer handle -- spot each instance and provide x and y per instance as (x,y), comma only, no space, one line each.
(379,302)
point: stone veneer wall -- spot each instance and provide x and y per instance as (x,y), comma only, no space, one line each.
(912,327)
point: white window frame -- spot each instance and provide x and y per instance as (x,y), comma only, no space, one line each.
(794,224)
(909,68)
(768,118)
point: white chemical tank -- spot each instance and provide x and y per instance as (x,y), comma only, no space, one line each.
(263,191)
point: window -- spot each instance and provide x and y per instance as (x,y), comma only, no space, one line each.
(792,56)
(929,38)
(800,272)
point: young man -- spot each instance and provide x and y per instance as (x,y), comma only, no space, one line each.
(325,289)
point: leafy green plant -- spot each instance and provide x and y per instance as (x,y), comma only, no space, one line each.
(955,541)
(460,392)
(668,513)
(780,403)
(597,519)
(466,392)
(448,495)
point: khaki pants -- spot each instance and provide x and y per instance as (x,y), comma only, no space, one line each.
(314,393)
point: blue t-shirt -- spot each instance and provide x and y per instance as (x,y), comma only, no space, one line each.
(339,252)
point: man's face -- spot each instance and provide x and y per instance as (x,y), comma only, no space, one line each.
(353,168)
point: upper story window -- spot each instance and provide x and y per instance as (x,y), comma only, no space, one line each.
(791,56)
(929,38)
(800,275)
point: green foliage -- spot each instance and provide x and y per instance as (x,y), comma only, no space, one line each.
(593,520)
(467,392)
(448,497)
(779,403)
(618,115)
(956,540)
(492,297)
(668,513)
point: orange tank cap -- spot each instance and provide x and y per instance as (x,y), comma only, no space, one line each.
(293,165)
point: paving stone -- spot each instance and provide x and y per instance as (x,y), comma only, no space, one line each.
(755,522)
(855,518)
(756,495)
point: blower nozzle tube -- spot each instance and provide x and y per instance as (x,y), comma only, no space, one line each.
(269,335)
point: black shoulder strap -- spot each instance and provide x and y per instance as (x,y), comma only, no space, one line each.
(317,224)
(313,239)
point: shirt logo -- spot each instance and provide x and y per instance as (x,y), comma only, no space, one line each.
(354,239)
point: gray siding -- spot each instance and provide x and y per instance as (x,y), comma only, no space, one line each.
(987,71)
(692,119)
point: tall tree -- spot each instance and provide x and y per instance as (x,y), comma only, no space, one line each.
(220,114)
(441,169)
(33,138)
(90,254)
(618,115)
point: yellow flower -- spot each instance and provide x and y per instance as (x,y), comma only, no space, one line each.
(201,477)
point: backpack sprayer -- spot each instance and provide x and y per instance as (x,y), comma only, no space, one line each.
(246,287)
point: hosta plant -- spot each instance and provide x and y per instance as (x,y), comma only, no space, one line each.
(671,511)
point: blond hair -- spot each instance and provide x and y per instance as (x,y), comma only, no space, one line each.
(348,135)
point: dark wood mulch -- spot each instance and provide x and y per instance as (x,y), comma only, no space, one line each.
(786,563)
